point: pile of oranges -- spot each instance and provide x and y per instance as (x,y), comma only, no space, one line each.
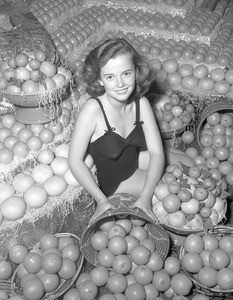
(128,266)
(209,260)
(42,270)
(188,198)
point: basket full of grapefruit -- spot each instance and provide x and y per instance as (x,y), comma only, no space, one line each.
(49,269)
(207,258)
(31,79)
(188,200)
(173,113)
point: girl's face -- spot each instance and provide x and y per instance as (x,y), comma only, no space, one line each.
(118,77)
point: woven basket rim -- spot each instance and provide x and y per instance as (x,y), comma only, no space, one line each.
(86,248)
(217,230)
(57,293)
(171,133)
(186,232)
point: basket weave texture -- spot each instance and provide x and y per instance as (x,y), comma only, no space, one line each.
(121,203)
(64,284)
(218,231)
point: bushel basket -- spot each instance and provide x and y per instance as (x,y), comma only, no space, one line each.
(121,203)
(214,292)
(64,284)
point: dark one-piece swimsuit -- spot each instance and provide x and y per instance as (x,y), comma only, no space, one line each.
(115,157)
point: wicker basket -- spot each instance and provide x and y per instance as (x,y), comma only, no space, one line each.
(221,107)
(35,100)
(64,284)
(121,203)
(186,232)
(37,115)
(218,231)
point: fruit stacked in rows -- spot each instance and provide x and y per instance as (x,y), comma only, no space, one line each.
(216,140)
(188,198)
(209,258)
(128,265)
(18,139)
(50,177)
(31,73)
(172,112)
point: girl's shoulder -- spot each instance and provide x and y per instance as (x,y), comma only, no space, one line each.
(91,105)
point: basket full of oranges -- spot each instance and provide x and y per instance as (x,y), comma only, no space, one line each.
(207,258)
(120,228)
(49,269)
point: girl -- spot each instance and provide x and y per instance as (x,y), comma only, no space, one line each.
(117,128)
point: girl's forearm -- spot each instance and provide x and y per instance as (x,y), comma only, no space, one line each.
(154,174)
(86,179)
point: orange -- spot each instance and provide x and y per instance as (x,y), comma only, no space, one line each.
(140,255)
(224,279)
(72,294)
(68,269)
(208,276)
(99,240)
(156,262)
(117,283)
(87,290)
(17,253)
(122,264)
(194,243)
(171,203)
(51,263)
(105,258)
(48,240)
(172,265)
(50,281)
(117,245)
(143,275)
(139,232)
(32,262)
(63,241)
(71,251)
(99,275)
(33,289)
(192,262)
(181,284)
(219,259)
(226,243)
(161,281)
(6,269)
(135,291)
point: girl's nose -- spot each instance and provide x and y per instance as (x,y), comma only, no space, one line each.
(120,82)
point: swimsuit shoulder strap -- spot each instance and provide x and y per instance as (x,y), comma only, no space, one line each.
(102,108)
(138,112)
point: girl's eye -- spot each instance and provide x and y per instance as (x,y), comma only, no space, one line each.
(109,77)
(127,74)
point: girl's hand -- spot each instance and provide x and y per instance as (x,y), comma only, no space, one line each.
(102,206)
(144,206)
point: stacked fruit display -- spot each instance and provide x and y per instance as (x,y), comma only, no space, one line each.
(188,199)
(129,266)
(18,140)
(50,177)
(215,138)
(208,259)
